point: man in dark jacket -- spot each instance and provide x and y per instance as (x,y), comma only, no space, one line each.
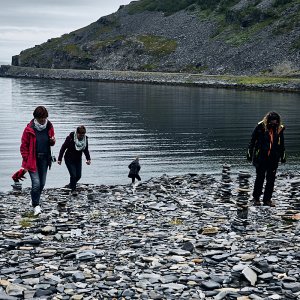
(265,150)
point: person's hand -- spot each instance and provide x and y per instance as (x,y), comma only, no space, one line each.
(59,162)
(88,162)
(52,140)
(249,156)
(283,158)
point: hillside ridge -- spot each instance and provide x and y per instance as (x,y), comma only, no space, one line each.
(240,37)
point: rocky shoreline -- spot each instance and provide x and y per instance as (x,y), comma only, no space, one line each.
(275,84)
(170,238)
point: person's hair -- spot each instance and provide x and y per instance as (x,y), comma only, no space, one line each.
(271,115)
(40,112)
(81,129)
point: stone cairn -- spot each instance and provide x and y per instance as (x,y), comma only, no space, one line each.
(17,186)
(224,190)
(241,219)
(295,194)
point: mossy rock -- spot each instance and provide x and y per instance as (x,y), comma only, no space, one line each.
(157,45)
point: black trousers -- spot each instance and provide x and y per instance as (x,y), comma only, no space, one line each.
(135,177)
(74,168)
(263,172)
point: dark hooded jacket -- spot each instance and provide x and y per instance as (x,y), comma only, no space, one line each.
(262,151)
(134,168)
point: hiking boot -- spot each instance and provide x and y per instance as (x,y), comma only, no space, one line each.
(74,193)
(269,203)
(37,210)
(256,202)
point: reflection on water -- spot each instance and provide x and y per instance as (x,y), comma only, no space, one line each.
(174,129)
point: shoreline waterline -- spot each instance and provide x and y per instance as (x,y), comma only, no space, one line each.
(258,83)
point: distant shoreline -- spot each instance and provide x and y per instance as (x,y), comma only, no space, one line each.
(258,83)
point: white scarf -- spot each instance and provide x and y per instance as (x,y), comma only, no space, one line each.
(79,145)
(39,126)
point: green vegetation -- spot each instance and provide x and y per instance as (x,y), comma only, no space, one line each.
(102,29)
(75,51)
(230,22)
(281,2)
(148,67)
(38,53)
(255,80)
(27,219)
(25,223)
(172,6)
(220,6)
(176,221)
(72,49)
(158,45)
(195,69)
(296,44)
(166,6)
(288,24)
(28,214)
(238,36)
(99,45)
(238,27)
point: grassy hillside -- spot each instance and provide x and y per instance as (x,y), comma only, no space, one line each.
(223,7)
(190,36)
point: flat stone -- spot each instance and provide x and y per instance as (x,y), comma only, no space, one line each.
(250,275)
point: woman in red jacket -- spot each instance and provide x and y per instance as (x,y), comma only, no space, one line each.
(37,138)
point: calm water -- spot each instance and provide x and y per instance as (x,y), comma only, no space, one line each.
(175,130)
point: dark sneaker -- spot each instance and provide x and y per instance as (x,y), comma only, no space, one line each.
(74,193)
(269,203)
(256,202)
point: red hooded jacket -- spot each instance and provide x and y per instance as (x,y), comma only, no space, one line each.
(28,145)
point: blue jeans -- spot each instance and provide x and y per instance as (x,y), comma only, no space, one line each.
(74,168)
(38,179)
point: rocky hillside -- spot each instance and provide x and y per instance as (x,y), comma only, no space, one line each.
(202,36)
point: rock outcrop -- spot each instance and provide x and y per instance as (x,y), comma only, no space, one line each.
(243,37)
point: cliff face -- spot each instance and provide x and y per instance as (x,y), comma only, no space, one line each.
(210,37)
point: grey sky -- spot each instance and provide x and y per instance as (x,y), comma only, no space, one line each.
(25,23)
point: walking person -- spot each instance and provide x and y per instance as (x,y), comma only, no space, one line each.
(36,140)
(265,150)
(134,171)
(75,144)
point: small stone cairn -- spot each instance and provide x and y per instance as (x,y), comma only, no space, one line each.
(224,190)
(295,194)
(241,219)
(17,186)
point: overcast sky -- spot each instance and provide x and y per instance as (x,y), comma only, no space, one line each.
(25,23)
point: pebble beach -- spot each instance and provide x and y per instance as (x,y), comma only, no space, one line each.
(171,237)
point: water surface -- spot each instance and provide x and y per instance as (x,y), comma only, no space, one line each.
(174,129)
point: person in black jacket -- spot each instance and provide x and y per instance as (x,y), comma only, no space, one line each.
(265,150)
(75,144)
(134,170)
